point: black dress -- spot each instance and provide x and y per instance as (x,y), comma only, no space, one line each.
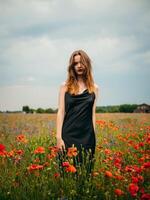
(77,126)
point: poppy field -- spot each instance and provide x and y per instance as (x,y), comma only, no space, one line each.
(30,168)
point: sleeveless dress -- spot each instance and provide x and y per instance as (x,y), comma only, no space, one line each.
(77,128)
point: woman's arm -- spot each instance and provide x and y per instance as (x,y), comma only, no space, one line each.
(60,116)
(94,106)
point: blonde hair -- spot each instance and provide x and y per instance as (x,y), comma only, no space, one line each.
(71,82)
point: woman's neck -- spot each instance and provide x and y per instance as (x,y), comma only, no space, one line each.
(80,79)
(81,83)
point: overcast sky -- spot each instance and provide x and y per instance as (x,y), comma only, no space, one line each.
(37,38)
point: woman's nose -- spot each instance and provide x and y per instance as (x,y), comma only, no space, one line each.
(79,64)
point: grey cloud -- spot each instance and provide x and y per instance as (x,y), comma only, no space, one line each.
(56,17)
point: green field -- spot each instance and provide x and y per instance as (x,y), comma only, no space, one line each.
(29,159)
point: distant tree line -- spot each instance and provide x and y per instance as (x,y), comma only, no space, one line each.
(124,108)
(26,109)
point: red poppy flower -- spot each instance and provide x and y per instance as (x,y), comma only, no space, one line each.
(21,138)
(107,151)
(118,192)
(34,167)
(140,178)
(108,174)
(118,177)
(56,175)
(137,169)
(145,197)
(134,179)
(51,155)
(11,153)
(53,149)
(133,189)
(39,150)
(71,169)
(128,168)
(19,151)
(146,165)
(65,164)
(2,147)
(72,151)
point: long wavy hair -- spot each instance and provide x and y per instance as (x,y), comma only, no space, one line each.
(71,82)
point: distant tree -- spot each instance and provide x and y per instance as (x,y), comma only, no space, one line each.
(127,108)
(26,109)
(49,110)
(115,109)
(107,109)
(32,110)
(100,109)
(40,110)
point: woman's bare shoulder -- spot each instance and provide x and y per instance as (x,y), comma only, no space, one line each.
(63,86)
(96,87)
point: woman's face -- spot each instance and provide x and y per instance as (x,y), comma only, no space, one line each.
(79,67)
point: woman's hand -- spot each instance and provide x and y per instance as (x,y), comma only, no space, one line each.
(60,144)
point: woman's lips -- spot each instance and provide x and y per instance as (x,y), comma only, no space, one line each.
(80,70)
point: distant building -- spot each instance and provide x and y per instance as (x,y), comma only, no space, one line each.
(142,108)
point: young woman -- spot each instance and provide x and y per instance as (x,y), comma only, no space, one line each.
(77,104)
